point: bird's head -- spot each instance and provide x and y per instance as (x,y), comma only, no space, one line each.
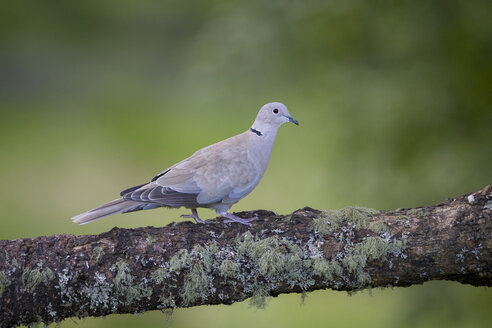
(273,115)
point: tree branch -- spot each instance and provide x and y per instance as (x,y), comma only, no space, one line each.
(47,279)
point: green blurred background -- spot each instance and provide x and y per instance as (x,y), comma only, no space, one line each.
(394,100)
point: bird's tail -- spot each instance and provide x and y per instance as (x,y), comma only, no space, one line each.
(119,205)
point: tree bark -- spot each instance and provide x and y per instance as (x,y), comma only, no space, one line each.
(47,279)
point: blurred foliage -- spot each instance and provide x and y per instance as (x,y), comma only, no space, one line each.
(394,100)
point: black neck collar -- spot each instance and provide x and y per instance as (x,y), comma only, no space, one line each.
(257,132)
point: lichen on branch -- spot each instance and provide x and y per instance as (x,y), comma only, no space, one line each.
(47,279)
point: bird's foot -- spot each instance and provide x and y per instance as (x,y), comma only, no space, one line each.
(194,215)
(233,218)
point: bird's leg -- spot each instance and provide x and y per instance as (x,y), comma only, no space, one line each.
(194,215)
(234,218)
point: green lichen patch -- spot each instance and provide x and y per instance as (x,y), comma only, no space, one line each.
(206,253)
(416,211)
(125,286)
(228,269)
(4,282)
(374,248)
(149,240)
(13,262)
(159,275)
(280,261)
(31,278)
(327,269)
(166,299)
(354,258)
(259,298)
(358,215)
(292,262)
(274,259)
(97,253)
(180,261)
(354,263)
(378,227)
(196,285)
(330,220)
(270,263)
(256,265)
(248,245)
(199,266)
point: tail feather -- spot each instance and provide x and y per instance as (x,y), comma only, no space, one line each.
(119,205)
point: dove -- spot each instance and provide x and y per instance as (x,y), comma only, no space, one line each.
(214,177)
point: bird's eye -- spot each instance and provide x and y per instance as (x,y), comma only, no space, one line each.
(275,111)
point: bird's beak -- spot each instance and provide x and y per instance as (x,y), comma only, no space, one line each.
(293,120)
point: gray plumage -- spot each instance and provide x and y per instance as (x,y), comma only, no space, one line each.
(215,177)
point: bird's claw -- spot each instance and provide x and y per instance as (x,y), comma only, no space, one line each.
(195,217)
(240,220)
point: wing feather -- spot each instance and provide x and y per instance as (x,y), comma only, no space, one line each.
(220,172)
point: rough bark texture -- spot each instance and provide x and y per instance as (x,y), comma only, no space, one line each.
(47,279)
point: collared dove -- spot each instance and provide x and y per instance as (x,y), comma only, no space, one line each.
(215,177)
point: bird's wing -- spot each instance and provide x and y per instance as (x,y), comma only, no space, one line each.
(224,170)
(232,169)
